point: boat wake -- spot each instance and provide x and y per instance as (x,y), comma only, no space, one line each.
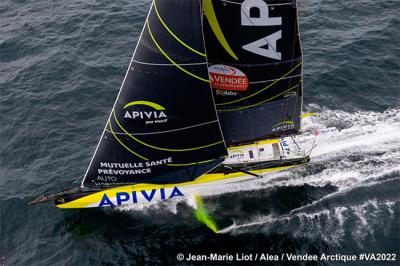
(359,162)
(366,146)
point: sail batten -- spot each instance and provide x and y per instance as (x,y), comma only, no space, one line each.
(163,127)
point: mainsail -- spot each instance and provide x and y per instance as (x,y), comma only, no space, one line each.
(163,127)
(255,58)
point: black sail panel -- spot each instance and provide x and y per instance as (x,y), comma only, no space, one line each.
(163,127)
(255,67)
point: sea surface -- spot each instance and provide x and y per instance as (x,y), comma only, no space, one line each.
(61,66)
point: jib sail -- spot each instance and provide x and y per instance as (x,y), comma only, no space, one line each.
(255,67)
(163,127)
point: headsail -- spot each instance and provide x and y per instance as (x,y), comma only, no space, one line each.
(163,127)
(255,58)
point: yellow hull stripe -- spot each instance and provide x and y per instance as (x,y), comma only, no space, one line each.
(213,21)
(159,148)
(173,34)
(172,61)
(261,142)
(269,86)
(111,193)
(256,104)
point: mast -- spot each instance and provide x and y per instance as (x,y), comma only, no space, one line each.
(163,127)
(255,67)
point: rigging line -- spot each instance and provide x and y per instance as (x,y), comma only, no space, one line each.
(296,101)
(290,81)
(158,64)
(159,148)
(189,164)
(256,104)
(168,131)
(295,142)
(267,87)
(315,137)
(172,61)
(173,34)
(296,39)
(265,81)
(274,64)
(123,145)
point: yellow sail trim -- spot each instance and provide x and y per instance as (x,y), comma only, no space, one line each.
(213,21)
(151,104)
(95,198)
(172,61)
(123,145)
(159,148)
(269,86)
(189,164)
(173,34)
(256,104)
(284,123)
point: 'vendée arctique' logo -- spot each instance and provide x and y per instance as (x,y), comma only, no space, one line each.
(149,112)
(227,78)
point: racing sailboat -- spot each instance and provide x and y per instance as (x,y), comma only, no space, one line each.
(212,96)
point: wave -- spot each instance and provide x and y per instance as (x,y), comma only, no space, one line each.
(358,222)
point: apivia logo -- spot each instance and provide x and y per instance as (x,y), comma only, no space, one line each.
(236,154)
(283,126)
(266,46)
(142,196)
(151,113)
(290,94)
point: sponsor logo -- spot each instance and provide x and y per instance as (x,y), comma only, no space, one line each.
(149,112)
(290,94)
(236,155)
(283,126)
(227,78)
(226,93)
(142,196)
(266,46)
(326,131)
(285,145)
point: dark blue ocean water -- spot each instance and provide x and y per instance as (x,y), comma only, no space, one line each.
(61,65)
